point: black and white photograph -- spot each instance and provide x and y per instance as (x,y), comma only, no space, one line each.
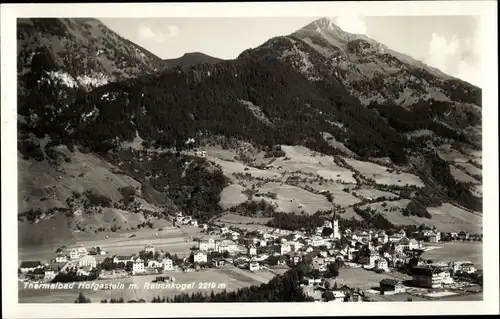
(329,158)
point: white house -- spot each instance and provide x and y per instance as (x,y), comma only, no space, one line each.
(200,257)
(61,258)
(82,251)
(295,259)
(282,261)
(168,264)
(408,244)
(395,238)
(85,271)
(227,245)
(339,295)
(373,258)
(295,245)
(138,266)
(431,277)
(208,245)
(201,153)
(382,264)
(364,237)
(463,266)
(123,259)
(347,253)
(317,241)
(284,248)
(87,261)
(262,243)
(382,237)
(446,277)
(269,236)
(73,254)
(253,266)
(154,264)
(463,235)
(149,248)
(252,250)
(261,257)
(50,274)
(319,264)
(435,237)
(319,230)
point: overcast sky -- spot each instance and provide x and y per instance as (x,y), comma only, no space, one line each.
(448,43)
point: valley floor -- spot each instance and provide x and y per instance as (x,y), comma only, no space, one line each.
(171,239)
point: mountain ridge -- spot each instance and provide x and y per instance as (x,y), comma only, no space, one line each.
(329,24)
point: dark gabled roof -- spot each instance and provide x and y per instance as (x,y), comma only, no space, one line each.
(30,264)
(427,270)
(124,257)
(55,266)
(404,241)
(389,282)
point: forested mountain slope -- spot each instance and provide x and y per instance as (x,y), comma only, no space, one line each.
(334,93)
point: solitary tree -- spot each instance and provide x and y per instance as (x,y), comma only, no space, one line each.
(82,299)
(329,296)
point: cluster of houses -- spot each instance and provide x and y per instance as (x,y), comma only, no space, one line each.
(142,266)
(199,153)
(321,290)
(373,250)
(82,263)
(290,247)
(432,276)
(180,219)
(77,259)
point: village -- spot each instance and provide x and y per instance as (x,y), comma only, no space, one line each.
(326,252)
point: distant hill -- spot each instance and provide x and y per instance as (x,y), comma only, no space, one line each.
(192,58)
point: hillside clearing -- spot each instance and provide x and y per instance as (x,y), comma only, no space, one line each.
(449,154)
(381,175)
(446,218)
(236,167)
(232,196)
(461,176)
(304,160)
(233,218)
(470,169)
(42,186)
(294,199)
(374,193)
